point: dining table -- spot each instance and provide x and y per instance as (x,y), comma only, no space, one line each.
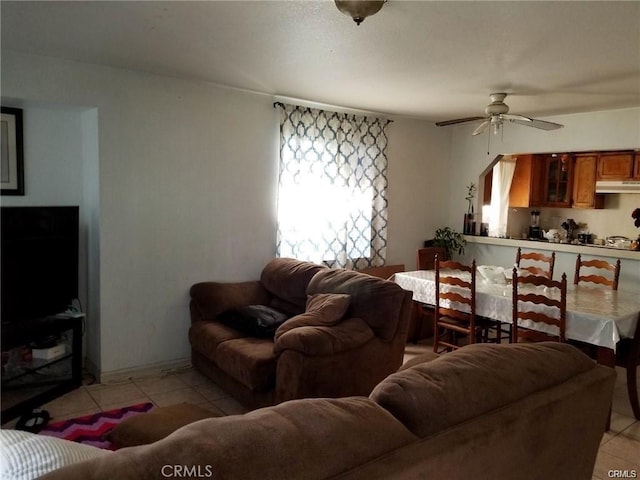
(595,315)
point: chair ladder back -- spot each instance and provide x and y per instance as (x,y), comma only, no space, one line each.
(530,299)
(452,313)
(546,271)
(593,277)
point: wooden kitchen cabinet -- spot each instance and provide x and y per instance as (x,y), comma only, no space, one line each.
(584,182)
(558,180)
(565,180)
(526,185)
(616,166)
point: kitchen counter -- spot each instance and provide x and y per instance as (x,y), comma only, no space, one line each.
(588,249)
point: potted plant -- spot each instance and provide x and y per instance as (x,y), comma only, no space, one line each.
(449,239)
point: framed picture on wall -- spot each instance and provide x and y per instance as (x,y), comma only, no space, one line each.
(11,165)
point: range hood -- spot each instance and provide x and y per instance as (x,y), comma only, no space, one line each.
(618,186)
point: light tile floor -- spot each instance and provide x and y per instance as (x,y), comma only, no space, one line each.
(619,450)
(182,386)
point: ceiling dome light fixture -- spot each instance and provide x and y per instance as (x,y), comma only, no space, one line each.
(359,9)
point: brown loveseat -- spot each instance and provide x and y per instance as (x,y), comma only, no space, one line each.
(499,412)
(312,355)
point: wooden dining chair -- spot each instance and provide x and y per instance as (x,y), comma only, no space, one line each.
(426,257)
(425,260)
(455,309)
(544,265)
(602,273)
(540,300)
(384,271)
(605,273)
(628,357)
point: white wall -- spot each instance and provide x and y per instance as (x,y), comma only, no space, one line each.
(186,173)
(418,161)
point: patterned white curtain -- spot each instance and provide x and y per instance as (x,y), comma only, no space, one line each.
(332,192)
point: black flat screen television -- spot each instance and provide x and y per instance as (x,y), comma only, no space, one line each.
(38,261)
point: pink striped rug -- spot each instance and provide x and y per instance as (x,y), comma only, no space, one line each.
(90,429)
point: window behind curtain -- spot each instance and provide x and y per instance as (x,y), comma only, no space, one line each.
(332,203)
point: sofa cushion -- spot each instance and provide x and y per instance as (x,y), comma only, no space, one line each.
(327,308)
(205,337)
(251,361)
(323,309)
(254,320)
(481,377)
(378,302)
(287,279)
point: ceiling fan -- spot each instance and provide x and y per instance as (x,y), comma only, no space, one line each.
(497,113)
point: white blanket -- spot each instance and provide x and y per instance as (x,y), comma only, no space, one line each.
(25,456)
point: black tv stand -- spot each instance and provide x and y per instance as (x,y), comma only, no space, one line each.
(29,382)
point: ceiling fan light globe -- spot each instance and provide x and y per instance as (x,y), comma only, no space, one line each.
(359,9)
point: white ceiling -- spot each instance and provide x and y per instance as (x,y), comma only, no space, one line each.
(434,60)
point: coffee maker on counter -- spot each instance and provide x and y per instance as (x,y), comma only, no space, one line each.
(535,233)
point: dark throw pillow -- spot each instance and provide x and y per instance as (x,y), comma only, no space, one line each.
(254,320)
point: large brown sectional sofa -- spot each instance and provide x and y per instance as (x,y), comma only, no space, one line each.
(516,411)
(319,351)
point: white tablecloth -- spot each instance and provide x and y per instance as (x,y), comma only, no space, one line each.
(596,315)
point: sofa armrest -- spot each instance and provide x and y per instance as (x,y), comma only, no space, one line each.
(209,299)
(325,340)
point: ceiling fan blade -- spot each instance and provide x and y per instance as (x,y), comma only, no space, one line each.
(482,127)
(541,124)
(459,120)
(512,116)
